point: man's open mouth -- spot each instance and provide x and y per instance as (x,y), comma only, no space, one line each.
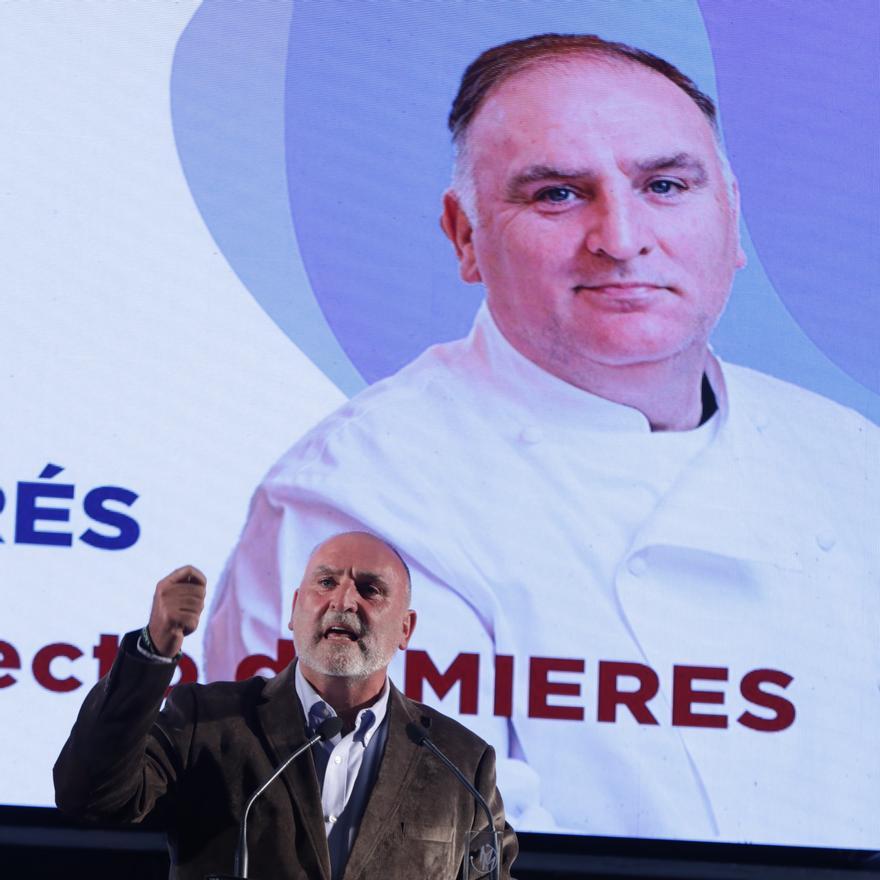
(341,633)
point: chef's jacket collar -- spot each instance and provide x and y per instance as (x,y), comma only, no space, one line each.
(523,382)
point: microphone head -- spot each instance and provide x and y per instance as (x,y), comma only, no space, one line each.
(416,733)
(328,728)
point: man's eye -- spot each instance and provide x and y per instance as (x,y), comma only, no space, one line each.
(556,195)
(665,187)
(326,582)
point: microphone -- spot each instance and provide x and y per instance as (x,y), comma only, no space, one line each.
(326,730)
(418,734)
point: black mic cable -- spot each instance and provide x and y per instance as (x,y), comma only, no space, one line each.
(417,733)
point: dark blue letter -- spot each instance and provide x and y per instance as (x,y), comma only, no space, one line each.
(128,529)
(28,513)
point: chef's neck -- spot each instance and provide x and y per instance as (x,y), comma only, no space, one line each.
(668,392)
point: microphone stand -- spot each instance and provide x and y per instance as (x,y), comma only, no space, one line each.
(326,730)
(418,735)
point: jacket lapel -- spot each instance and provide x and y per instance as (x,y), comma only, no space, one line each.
(283,723)
(396,770)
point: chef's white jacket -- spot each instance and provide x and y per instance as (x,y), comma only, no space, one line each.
(542,521)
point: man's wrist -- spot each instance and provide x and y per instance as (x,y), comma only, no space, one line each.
(147,648)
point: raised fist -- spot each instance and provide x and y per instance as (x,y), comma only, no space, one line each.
(177,606)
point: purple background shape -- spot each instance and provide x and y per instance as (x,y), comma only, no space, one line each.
(365,183)
(799,91)
(227,107)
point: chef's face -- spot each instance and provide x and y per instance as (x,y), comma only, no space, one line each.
(351,611)
(605,228)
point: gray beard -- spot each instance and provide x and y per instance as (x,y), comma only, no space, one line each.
(352,660)
(358,659)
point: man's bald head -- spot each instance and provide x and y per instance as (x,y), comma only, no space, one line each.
(351,612)
(353,538)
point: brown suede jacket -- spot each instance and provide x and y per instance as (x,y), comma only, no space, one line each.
(192,767)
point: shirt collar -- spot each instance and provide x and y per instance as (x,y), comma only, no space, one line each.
(524,382)
(367,722)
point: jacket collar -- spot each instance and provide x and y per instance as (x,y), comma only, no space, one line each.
(521,382)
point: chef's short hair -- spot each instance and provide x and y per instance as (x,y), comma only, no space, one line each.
(499,63)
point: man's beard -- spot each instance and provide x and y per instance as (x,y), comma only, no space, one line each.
(345,659)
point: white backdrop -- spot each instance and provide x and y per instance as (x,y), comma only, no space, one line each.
(131,354)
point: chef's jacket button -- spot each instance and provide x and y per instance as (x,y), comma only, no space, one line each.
(337,759)
(531,434)
(637,565)
(331,819)
(826,540)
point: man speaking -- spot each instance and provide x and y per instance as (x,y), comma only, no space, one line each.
(674,551)
(369,803)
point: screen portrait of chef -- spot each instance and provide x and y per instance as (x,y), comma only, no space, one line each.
(673,550)
(593,201)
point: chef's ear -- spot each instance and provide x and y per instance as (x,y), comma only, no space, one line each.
(455,222)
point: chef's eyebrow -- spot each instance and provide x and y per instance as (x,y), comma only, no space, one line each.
(325,569)
(676,162)
(673,162)
(537,173)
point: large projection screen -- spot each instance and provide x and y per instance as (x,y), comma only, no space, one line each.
(221,226)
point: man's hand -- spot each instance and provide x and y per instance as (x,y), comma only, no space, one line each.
(177,606)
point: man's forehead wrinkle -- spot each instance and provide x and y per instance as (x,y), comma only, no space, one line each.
(505,101)
(548,67)
(341,543)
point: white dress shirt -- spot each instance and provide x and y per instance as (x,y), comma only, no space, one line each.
(346,766)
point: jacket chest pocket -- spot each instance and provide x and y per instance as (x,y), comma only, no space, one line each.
(430,849)
(432,833)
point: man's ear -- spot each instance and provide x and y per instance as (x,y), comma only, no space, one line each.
(457,226)
(290,622)
(409,625)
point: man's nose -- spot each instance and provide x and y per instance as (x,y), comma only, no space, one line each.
(345,596)
(617,226)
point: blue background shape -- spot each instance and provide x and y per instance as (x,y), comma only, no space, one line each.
(316,132)
(227,109)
